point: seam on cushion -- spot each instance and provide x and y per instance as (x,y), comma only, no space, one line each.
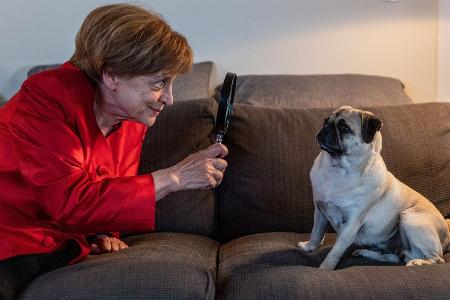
(210,292)
(208,83)
(218,263)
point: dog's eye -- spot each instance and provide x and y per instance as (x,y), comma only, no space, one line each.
(344,129)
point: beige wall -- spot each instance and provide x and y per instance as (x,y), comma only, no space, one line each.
(370,37)
(443,58)
(252,36)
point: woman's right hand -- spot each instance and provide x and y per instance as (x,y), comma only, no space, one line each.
(201,170)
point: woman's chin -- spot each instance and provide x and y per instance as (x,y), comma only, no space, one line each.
(150,121)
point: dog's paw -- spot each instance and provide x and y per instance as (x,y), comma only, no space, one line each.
(423,262)
(306,246)
(418,262)
(360,252)
(440,260)
(325,266)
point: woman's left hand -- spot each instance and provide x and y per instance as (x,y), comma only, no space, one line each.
(106,244)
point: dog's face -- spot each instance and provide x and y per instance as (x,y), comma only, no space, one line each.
(348,131)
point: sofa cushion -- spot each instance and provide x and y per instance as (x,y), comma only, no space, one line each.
(40,68)
(365,282)
(269,266)
(2,101)
(179,131)
(195,84)
(155,266)
(303,91)
(279,248)
(266,186)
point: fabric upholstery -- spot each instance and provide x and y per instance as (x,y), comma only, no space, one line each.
(305,91)
(41,68)
(2,101)
(155,266)
(269,266)
(279,248)
(195,84)
(266,186)
(299,282)
(179,131)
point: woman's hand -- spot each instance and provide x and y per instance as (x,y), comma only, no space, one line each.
(201,170)
(105,244)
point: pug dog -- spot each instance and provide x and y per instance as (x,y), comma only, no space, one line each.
(365,204)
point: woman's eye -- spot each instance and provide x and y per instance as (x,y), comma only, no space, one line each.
(159,84)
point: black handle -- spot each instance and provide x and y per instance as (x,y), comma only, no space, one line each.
(225,106)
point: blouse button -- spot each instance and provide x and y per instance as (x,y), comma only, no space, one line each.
(102,170)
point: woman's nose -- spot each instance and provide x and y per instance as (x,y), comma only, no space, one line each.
(167,96)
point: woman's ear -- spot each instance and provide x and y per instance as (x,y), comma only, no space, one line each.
(110,80)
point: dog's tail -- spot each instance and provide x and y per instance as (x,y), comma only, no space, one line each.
(448,225)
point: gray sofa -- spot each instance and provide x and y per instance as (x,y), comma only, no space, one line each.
(2,101)
(239,241)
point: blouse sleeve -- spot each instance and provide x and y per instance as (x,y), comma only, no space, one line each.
(52,163)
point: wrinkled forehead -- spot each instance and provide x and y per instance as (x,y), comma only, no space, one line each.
(350,115)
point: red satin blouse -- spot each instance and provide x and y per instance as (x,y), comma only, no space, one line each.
(60,178)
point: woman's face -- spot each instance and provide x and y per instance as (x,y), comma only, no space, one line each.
(142,98)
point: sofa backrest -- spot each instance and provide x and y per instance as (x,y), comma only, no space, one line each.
(319,91)
(195,84)
(179,131)
(266,186)
(198,83)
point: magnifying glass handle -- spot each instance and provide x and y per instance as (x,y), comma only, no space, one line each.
(219,138)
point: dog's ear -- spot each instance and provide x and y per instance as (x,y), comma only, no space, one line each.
(370,124)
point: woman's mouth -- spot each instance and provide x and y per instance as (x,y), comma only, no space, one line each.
(156,110)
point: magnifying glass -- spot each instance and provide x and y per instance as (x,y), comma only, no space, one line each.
(225,106)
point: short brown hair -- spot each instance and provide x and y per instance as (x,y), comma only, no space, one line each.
(129,40)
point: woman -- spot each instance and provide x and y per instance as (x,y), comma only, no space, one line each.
(70,142)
